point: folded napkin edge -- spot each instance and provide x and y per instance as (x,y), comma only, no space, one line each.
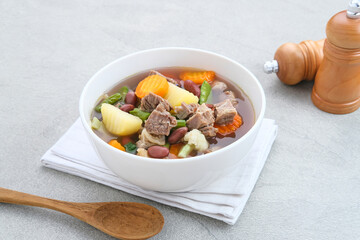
(228,218)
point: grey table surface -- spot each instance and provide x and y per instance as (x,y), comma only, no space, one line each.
(310,185)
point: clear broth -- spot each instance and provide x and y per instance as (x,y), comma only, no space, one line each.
(244,107)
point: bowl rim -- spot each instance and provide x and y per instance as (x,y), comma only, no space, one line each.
(179,160)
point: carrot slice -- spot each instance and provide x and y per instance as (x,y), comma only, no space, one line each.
(116,144)
(198,77)
(230,128)
(175,148)
(153,83)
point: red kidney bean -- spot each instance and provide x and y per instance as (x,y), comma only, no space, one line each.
(125,140)
(178,134)
(158,151)
(192,87)
(131,98)
(127,107)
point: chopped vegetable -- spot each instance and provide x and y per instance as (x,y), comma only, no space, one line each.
(198,77)
(176,95)
(141,114)
(142,152)
(116,144)
(95,123)
(175,148)
(196,138)
(167,145)
(180,123)
(230,128)
(118,122)
(130,148)
(196,141)
(153,83)
(123,91)
(204,92)
(186,150)
(110,100)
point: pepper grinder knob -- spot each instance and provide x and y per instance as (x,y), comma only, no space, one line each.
(296,62)
(271,66)
(353,10)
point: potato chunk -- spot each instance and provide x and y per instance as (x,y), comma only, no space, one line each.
(177,95)
(118,122)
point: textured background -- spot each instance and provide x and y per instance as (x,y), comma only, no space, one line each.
(310,185)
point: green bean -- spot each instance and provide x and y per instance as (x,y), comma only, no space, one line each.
(186,150)
(204,92)
(167,145)
(113,98)
(110,100)
(141,114)
(123,91)
(180,123)
(98,107)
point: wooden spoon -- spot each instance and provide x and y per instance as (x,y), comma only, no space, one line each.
(125,220)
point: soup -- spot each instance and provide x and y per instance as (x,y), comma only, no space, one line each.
(173,112)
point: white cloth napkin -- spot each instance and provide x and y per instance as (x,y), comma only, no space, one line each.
(223,200)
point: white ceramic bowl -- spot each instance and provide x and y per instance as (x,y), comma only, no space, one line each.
(177,174)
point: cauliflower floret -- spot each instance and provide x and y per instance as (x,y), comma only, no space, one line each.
(142,152)
(197,139)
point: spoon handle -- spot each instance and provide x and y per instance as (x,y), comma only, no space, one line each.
(77,210)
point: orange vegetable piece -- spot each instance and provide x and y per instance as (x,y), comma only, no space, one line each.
(116,144)
(153,83)
(230,128)
(175,148)
(198,77)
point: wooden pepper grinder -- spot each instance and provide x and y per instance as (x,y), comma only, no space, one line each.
(296,62)
(337,83)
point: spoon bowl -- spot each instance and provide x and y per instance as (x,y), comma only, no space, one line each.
(124,220)
(132,220)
